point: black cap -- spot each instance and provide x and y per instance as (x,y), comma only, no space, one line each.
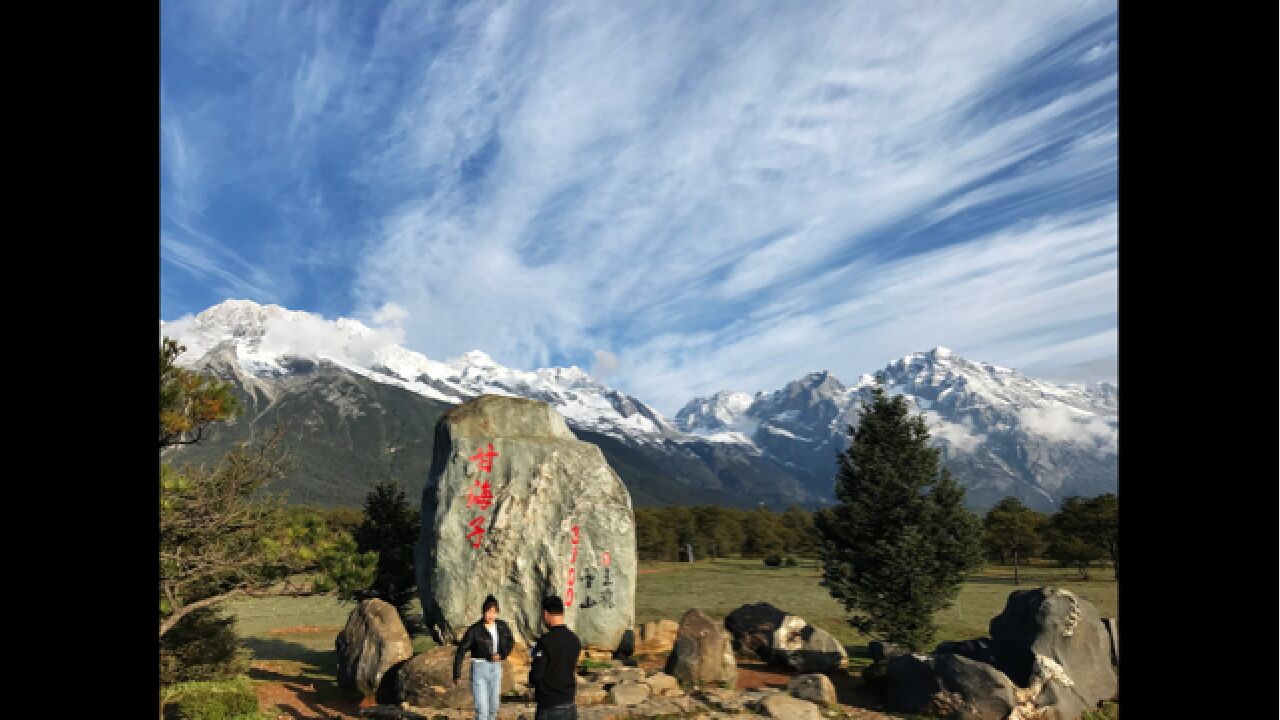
(553,604)
(489,601)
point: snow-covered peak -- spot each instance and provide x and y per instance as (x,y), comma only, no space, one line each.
(267,340)
(473,359)
(726,410)
(942,375)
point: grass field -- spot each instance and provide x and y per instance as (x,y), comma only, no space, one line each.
(717,587)
(296,633)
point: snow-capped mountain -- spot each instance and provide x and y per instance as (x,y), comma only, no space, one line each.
(360,401)
(267,341)
(1000,432)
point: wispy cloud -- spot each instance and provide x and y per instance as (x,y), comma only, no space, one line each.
(685,197)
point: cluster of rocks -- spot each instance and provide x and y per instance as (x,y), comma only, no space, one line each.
(770,634)
(375,659)
(1049,656)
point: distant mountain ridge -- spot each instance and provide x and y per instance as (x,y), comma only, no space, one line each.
(358,407)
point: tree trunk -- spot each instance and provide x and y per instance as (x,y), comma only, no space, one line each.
(1015,568)
(167,624)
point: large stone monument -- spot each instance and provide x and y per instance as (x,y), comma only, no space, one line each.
(517,506)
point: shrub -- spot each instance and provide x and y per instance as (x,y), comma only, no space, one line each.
(202,646)
(790,561)
(772,560)
(225,700)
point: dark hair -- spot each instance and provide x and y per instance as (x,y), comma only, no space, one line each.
(489,602)
(553,604)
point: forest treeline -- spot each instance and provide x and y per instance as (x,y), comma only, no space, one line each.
(1081,534)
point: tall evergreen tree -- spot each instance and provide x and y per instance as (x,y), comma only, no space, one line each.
(899,543)
(391,529)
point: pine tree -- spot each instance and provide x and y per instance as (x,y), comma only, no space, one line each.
(899,543)
(391,529)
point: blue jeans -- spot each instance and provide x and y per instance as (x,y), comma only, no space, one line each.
(486,682)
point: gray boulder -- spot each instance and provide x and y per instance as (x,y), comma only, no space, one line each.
(657,636)
(629,693)
(785,707)
(804,647)
(985,650)
(703,652)
(426,680)
(373,640)
(590,693)
(911,683)
(663,684)
(814,687)
(630,674)
(554,517)
(1064,628)
(987,693)
(752,627)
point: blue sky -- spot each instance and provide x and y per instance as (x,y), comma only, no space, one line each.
(681,197)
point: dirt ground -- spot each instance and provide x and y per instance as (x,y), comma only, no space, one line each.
(297,698)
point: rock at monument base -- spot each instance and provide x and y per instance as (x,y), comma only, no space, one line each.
(426,680)
(627,646)
(664,685)
(372,642)
(629,674)
(806,648)
(752,627)
(515,505)
(590,693)
(629,693)
(703,652)
(657,636)
(785,707)
(814,687)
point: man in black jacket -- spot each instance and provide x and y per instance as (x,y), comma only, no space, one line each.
(555,658)
(489,641)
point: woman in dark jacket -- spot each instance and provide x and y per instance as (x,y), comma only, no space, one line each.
(489,641)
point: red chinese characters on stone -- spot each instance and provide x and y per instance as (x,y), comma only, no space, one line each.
(484,461)
(484,499)
(477,530)
(568,594)
(484,458)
